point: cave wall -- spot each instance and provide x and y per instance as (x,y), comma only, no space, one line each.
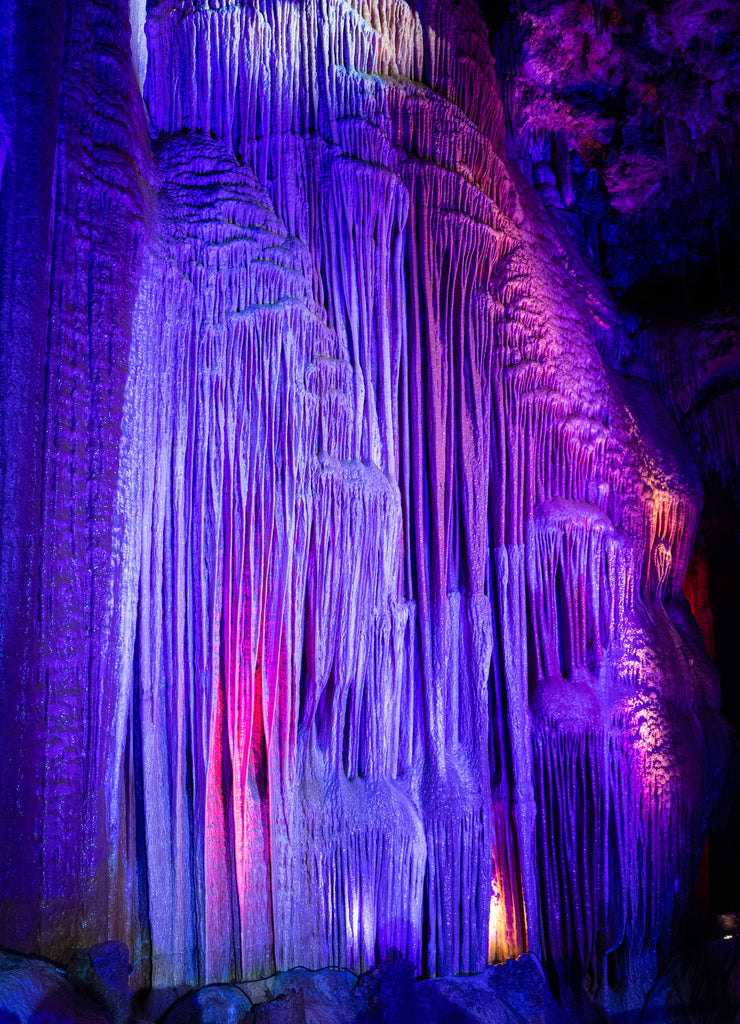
(341,602)
(627,114)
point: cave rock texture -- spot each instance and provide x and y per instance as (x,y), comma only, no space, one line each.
(341,603)
(628,113)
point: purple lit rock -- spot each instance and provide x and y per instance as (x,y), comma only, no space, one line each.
(287,1008)
(509,993)
(35,991)
(103,971)
(627,116)
(215,1004)
(331,993)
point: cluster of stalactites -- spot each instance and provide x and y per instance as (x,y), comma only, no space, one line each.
(460,520)
(391,657)
(599,491)
(380,178)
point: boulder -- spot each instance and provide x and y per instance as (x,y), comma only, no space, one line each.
(214,1004)
(101,972)
(287,1008)
(37,991)
(514,992)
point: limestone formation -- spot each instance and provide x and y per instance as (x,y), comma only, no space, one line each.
(342,573)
